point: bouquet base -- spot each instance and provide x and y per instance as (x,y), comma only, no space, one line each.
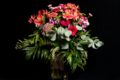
(57,69)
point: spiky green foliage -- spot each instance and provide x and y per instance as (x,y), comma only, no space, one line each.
(75,55)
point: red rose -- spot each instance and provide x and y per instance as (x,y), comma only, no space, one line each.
(64,22)
(73,29)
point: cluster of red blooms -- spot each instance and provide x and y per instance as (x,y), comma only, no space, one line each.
(65,15)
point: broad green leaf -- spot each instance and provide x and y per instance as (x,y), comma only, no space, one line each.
(53,38)
(79,27)
(67,33)
(98,43)
(79,48)
(29,52)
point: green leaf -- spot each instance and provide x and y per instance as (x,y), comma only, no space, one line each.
(29,52)
(28,48)
(74,66)
(79,65)
(71,45)
(38,53)
(35,52)
(45,54)
(79,27)
(36,38)
(69,59)
(79,48)
(53,51)
(65,46)
(67,33)
(53,38)
(42,42)
(98,43)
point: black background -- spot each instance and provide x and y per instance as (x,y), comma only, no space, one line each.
(103,64)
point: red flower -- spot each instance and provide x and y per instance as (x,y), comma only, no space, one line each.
(64,22)
(73,29)
(37,20)
(31,19)
(56,10)
(41,12)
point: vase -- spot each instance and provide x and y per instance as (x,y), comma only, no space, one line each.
(57,69)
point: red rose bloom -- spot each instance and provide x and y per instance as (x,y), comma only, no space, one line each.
(73,29)
(64,22)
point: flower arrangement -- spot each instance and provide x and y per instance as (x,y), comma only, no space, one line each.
(60,31)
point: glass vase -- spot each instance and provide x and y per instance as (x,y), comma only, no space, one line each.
(57,69)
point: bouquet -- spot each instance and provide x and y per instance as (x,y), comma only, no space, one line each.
(60,34)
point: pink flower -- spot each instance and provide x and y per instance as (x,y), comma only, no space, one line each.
(48,27)
(83,22)
(61,6)
(82,19)
(64,23)
(73,29)
(32,18)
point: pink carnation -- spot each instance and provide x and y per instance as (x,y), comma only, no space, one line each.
(48,27)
